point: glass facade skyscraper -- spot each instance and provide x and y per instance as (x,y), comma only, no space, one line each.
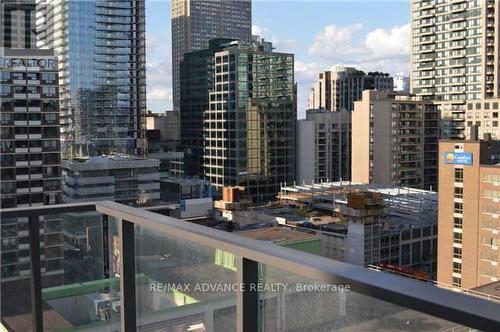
(249,126)
(101,52)
(195,22)
(238,116)
(196,81)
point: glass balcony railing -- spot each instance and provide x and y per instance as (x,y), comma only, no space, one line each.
(110,267)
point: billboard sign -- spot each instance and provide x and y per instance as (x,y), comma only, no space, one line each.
(458,158)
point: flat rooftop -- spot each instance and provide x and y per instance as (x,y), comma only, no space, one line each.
(276,234)
(410,203)
(185,181)
(109,161)
(492,289)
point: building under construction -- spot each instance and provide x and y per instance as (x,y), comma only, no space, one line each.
(331,196)
(383,226)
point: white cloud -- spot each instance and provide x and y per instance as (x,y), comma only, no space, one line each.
(334,42)
(258,30)
(306,72)
(286,45)
(390,43)
(160,93)
(381,49)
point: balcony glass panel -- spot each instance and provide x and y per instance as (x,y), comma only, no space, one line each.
(15,277)
(81,293)
(291,302)
(184,286)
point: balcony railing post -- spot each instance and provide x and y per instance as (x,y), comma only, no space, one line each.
(36,273)
(247,302)
(105,245)
(127,276)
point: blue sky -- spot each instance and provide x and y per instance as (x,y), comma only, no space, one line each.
(371,35)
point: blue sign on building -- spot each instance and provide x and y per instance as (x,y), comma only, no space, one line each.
(458,158)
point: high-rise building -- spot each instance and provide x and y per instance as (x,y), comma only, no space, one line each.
(482,118)
(395,140)
(454,56)
(196,81)
(324,146)
(196,22)
(30,169)
(17,18)
(249,126)
(100,46)
(454,49)
(339,89)
(402,83)
(469,210)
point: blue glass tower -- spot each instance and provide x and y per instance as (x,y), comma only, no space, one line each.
(101,51)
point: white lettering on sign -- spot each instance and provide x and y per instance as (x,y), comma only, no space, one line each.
(43,63)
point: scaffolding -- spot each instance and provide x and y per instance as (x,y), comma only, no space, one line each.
(400,201)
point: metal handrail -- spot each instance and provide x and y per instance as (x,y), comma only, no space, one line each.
(423,297)
(426,298)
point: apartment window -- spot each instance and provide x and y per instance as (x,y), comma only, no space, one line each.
(457,267)
(457,252)
(5,76)
(6,106)
(48,78)
(459,175)
(50,118)
(6,118)
(458,208)
(49,106)
(51,185)
(459,192)
(18,76)
(457,222)
(5,91)
(457,237)
(32,76)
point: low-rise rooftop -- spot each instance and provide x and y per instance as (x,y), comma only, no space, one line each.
(276,234)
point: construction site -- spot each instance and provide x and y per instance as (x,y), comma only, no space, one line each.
(330,197)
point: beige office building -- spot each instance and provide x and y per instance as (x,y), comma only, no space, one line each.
(469,213)
(323,151)
(482,119)
(395,140)
(195,22)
